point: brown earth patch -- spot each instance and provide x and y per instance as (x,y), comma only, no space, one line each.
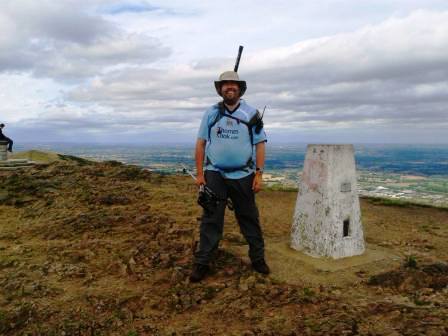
(106,249)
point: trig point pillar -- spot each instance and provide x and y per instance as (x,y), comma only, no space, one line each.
(327,219)
(3,150)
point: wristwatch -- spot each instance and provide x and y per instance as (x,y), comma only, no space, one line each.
(259,170)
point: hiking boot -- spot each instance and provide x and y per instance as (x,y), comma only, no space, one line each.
(261,267)
(199,272)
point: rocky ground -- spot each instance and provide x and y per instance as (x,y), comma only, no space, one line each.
(106,249)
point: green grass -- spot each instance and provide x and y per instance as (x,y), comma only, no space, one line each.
(400,203)
(280,187)
(76,159)
(47,157)
(36,155)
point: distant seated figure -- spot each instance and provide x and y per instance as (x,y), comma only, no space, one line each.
(5,138)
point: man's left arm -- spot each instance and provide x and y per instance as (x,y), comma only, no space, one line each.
(260,154)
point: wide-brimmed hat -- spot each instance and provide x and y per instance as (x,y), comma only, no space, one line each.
(230,76)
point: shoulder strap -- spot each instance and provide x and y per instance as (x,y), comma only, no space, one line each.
(248,125)
(218,117)
(256,120)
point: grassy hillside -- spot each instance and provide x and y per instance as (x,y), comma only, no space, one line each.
(45,157)
(106,249)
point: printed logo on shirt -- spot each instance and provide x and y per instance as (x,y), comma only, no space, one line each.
(226,133)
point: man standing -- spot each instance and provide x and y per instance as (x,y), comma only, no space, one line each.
(5,138)
(231,143)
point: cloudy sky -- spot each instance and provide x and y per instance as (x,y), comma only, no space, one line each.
(355,71)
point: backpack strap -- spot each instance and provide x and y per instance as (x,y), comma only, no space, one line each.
(256,120)
(219,115)
(246,167)
(248,125)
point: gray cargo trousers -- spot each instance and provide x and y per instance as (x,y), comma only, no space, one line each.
(246,212)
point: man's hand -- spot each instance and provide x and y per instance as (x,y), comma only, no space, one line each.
(200,180)
(257,183)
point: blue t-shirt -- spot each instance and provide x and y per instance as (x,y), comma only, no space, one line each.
(229,145)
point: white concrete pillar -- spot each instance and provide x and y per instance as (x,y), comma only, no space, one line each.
(3,150)
(327,219)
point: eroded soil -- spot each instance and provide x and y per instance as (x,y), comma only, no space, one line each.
(106,249)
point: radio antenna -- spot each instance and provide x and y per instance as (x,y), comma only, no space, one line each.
(238,58)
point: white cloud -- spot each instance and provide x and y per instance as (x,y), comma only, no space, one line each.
(351,79)
(65,42)
(358,66)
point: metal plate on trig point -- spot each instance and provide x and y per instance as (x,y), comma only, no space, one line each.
(346,187)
